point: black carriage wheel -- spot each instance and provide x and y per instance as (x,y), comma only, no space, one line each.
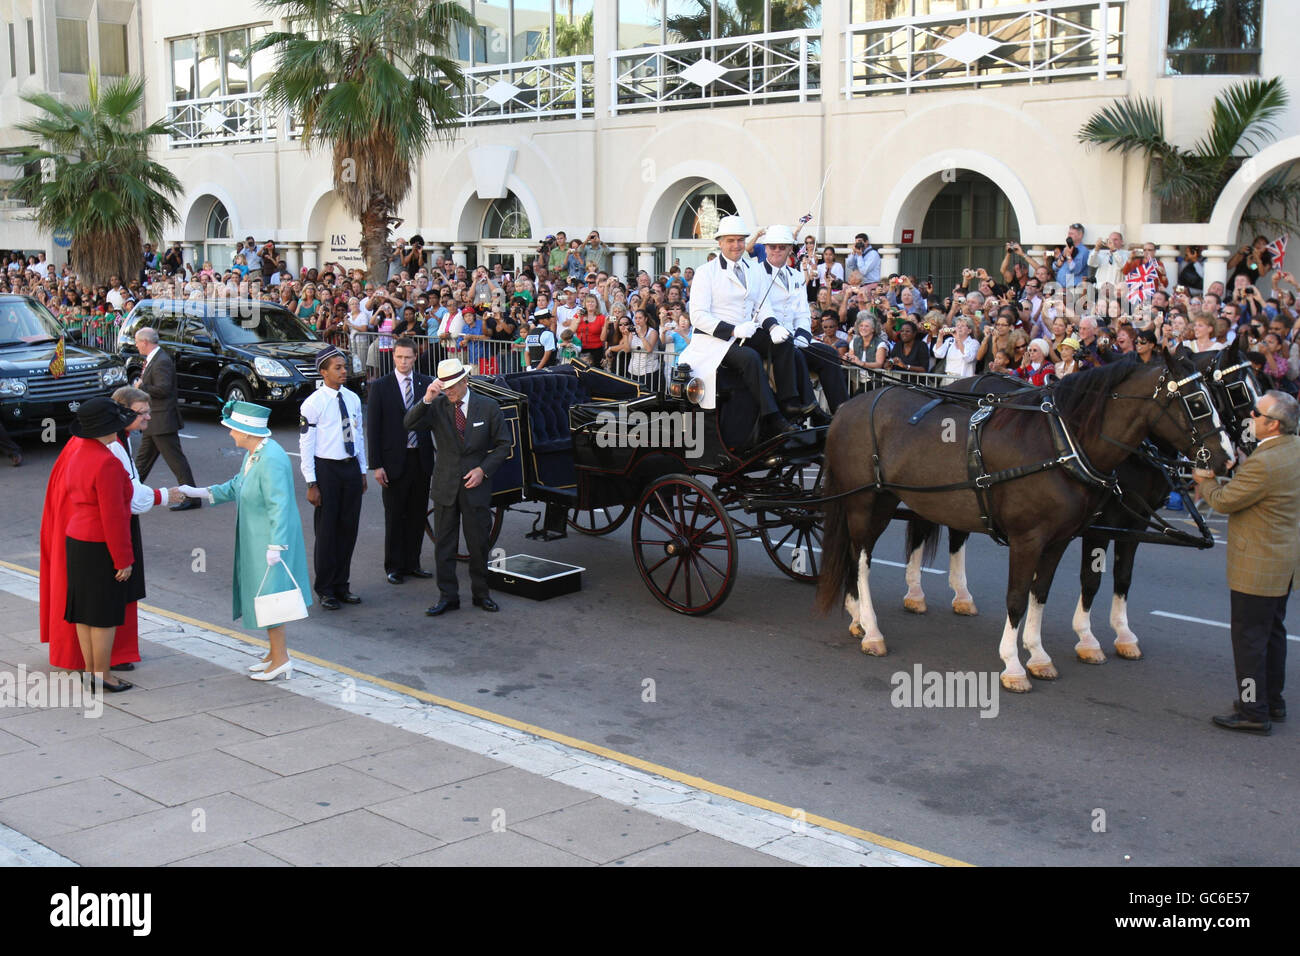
(793,540)
(684,545)
(598,521)
(498,519)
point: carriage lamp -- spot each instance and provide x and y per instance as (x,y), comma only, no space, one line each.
(685,387)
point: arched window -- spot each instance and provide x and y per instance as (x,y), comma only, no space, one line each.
(968,224)
(218,226)
(701,211)
(506,219)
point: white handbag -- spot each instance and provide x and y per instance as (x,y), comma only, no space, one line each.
(282,606)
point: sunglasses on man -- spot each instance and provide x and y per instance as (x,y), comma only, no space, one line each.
(1256,413)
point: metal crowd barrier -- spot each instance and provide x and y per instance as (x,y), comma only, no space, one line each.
(95,331)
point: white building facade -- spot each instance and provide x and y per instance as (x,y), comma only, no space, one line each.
(947,126)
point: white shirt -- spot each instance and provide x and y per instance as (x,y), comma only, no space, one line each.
(837,271)
(143,497)
(115,298)
(959,362)
(320,431)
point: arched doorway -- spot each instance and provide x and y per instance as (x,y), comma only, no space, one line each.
(691,239)
(967,225)
(218,246)
(506,236)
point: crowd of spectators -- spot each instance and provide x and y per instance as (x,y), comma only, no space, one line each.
(1080,305)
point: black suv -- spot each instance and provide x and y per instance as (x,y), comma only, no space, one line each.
(232,348)
(30,393)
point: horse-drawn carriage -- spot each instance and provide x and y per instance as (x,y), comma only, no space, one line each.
(594,448)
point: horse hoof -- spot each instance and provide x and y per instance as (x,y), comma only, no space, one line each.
(1017,685)
(1043,671)
(1130,652)
(856,630)
(874,648)
(965,608)
(915,605)
(1090,655)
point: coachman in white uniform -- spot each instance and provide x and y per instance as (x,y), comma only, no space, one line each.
(784,287)
(722,303)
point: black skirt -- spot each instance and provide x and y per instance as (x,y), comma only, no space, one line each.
(135,583)
(95,597)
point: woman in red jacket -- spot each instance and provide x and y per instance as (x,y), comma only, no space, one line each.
(86,537)
(588,326)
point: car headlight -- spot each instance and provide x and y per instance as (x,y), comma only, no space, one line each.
(13,386)
(110,377)
(270,368)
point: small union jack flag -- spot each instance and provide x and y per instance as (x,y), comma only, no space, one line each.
(1278,248)
(1141,282)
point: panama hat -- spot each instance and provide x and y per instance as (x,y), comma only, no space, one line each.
(778,235)
(451,372)
(1070,342)
(731,226)
(247,418)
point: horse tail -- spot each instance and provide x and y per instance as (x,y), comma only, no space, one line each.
(922,534)
(837,556)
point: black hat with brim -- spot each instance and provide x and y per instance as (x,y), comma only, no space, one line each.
(100,417)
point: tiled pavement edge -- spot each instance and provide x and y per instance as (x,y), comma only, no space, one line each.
(200,766)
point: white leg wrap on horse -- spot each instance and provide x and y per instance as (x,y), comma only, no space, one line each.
(962,600)
(1082,625)
(873,642)
(1039,664)
(1013,673)
(1126,641)
(914,599)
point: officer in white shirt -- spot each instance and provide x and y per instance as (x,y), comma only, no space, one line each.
(786,291)
(722,307)
(332,443)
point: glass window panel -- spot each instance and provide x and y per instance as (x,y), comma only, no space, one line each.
(701,211)
(31,48)
(738,18)
(209,71)
(234,44)
(493,41)
(573,27)
(506,219)
(1214,36)
(218,221)
(263,61)
(688,20)
(532,30)
(13,53)
(461,46)
(868,11)
(639,23)
(112,49)
(794,15)
(74,46)
(183,73)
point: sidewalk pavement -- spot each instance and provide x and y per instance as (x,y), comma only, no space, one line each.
(200,766)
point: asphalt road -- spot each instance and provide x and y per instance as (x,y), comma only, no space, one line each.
(1112,764)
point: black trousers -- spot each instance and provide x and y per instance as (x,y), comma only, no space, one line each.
(406,503)
(1258,652)
(336,521)
(784,369)
(825,361)
(746,363)
(169,445)
(447,522)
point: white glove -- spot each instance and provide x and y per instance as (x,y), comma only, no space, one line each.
(778,334)
(189,491)
(800,342)
(272,556)
(745,330)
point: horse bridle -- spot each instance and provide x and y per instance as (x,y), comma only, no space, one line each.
(1197,404)
(1239,396)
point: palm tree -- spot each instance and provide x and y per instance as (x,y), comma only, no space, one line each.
(373,81)
(744,18)
(1187,182)
(91,175)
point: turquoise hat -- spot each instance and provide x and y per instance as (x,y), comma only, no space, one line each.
(247,418)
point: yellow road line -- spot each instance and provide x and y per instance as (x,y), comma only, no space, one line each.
(689,780)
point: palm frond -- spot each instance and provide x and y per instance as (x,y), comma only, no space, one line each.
(1244,116)
(1127,126)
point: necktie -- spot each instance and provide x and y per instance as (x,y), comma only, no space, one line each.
(740,274)
(460,422)
(784,283)
(348,444)
(407,398)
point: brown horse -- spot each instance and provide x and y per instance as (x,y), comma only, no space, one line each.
(879,452)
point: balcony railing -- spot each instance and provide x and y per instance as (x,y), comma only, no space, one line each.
(240,118)
(538,89)
(762,68)
(1039,42)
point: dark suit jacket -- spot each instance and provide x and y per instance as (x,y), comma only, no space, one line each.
(486,445)
(385,433)
(159,381)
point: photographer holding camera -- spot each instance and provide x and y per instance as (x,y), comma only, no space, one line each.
(864,258)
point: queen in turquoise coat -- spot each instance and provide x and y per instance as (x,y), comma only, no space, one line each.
(268,528)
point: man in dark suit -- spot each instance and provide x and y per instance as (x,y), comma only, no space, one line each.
(471,439)
(161,435)
(402,462)
(1262,502)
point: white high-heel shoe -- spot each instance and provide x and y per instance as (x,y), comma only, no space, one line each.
(259,666)
(286,669)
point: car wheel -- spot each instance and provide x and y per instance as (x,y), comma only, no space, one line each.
(237,391)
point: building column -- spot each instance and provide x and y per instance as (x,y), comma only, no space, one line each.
(458,254)
(293,258)
(1168,256)
(435,255)
(645,259)
(1216,265)
(620,262)
(310,255)
(1035,255)
(889,260)
(191,251)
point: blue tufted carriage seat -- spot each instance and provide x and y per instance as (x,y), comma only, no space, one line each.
(550,394)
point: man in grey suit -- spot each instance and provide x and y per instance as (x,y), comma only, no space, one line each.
(161,435)
(471,442)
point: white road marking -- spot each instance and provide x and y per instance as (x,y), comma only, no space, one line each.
(183,435)
(294,454)
(874,561)
(1201,620)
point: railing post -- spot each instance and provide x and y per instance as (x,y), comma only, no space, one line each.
(803,68)
(1103,39)
(577,83)
(613,83)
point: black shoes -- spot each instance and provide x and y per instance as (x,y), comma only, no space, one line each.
(418,573)
(395,577)
(1277,712)
(187,505)
(329,603)
(820,417)
(1243,724)
(128,666)
(347,597)
(487,604)
(796,412)
(442,607)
